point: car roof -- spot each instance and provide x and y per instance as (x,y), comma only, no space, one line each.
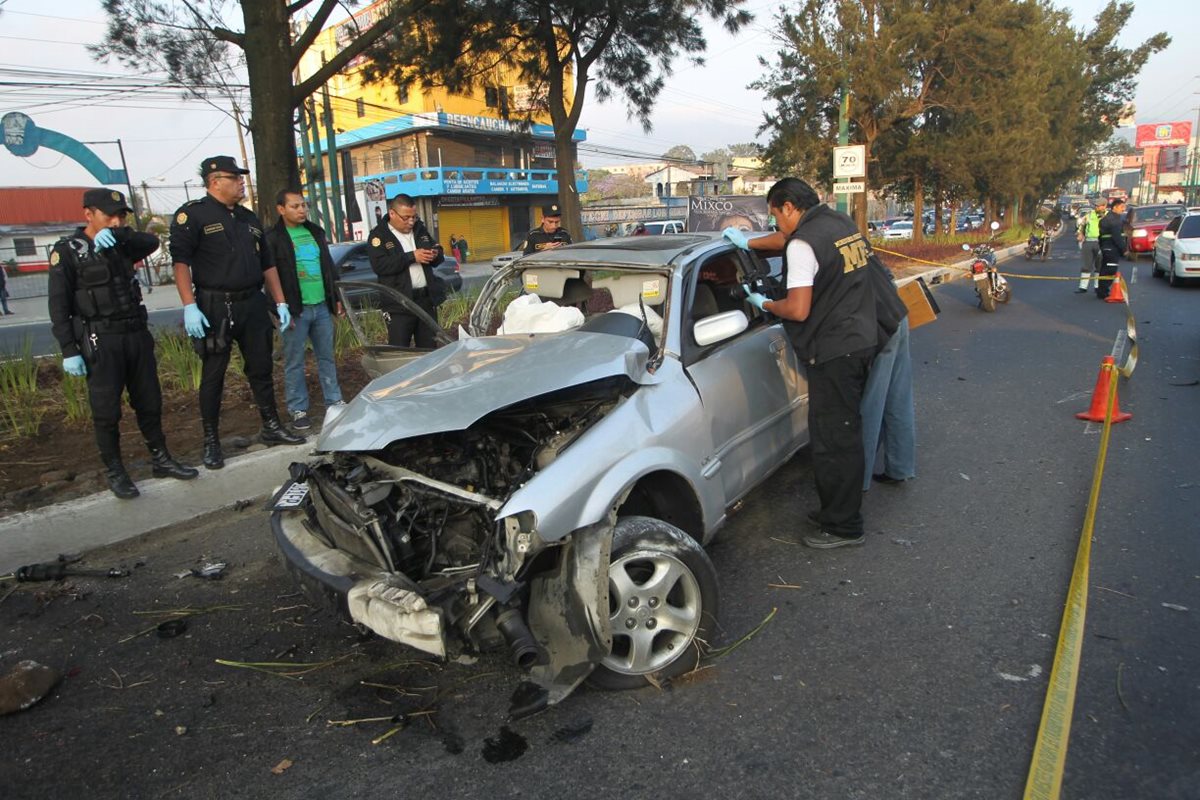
(644,252)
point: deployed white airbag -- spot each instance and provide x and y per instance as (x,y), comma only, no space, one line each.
(528,314)
(397,614)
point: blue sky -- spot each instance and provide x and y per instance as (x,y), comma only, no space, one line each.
(704,107)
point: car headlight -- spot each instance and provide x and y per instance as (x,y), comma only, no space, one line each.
(1189,256)
(1140,233)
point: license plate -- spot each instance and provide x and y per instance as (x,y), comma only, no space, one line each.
(293,496)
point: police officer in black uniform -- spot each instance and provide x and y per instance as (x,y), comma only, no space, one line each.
(403,255)
(96,313)
(548,235)
(1112,245)
(221,264)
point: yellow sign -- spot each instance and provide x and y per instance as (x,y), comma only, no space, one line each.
(651,291)
(531,281)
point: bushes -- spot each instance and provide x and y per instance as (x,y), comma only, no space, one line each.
(22,406)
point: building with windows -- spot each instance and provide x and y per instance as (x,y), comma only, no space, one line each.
(32,219)
(475,167)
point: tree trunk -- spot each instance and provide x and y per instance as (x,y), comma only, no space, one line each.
(918,208)
(568,192)
(268,36)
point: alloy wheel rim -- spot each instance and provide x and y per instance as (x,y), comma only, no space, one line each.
(655,608)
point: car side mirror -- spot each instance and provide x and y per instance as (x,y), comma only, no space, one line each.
(719,327)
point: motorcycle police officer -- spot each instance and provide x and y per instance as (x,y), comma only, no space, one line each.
(548,235)
(1112,245)
(221,264)
(97,316)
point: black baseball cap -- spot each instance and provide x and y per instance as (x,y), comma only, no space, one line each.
(551,210)
(109,201)
(221,164)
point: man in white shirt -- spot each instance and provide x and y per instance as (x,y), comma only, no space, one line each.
(403,255)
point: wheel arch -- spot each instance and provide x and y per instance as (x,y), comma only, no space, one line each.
(666,495)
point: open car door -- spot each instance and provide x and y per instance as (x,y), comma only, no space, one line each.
(363,303)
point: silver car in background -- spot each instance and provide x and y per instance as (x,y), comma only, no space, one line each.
(551,493)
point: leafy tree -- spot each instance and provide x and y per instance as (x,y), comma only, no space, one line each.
(196,45)
(614,187)
(680,152)
(623,47)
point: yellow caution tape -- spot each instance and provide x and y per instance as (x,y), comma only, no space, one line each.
(1050,751)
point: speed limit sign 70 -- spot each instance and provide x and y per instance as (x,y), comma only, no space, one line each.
(850,162)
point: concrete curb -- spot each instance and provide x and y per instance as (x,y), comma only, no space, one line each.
(959,269)
(77,525)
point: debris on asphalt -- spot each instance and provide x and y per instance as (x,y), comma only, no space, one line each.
(724,651)
(172,628)
(293,671)
(281,767)
(186,611)
(213,571)
(25,685)
(903,542)
(58,570)
(180,730)
(1174,607)
(964,476)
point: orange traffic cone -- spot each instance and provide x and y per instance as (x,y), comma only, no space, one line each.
(1100,396)
(1116,294)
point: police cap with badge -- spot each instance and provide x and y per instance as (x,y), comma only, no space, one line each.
(221,164)
(551,210)
(109,201)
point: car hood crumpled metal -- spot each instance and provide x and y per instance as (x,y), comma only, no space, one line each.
(454,386)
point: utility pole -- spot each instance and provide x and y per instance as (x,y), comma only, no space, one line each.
(1194,162)
(237,118)
(843,200)
(137,218)
(319,168)
(335,187)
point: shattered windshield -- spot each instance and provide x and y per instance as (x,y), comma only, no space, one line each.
(547,299)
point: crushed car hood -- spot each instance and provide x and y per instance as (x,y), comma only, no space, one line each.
(454,386)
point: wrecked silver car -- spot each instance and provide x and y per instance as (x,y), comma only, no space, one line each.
(546,483)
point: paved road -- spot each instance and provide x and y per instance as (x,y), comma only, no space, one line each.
(914,667)
(164,311)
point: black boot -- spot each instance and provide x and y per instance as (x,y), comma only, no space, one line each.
(118,479)
(213,457)
(273,432)
(164,466)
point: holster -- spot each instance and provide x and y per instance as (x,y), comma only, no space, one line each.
(87,347)
(218,340)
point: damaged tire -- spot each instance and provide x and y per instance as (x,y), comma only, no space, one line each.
(662,604)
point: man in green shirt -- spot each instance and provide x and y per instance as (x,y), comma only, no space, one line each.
(309,281)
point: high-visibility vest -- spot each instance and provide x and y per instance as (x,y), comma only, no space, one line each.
(1092,226)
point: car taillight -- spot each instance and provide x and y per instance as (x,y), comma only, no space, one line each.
(978,267)
(1141,233)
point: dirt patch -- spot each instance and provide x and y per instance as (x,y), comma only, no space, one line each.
(62,463)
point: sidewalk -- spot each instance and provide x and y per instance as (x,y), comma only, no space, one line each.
(30,310)
(246,480)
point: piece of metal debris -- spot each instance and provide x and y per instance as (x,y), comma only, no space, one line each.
(1174,607)
(213,571)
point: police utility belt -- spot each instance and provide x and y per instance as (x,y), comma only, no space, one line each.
(217,305)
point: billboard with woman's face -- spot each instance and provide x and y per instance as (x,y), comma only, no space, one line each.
(718,212)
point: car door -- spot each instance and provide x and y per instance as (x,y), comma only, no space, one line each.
(1165,241)
(752,389)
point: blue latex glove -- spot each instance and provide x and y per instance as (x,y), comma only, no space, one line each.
(105,238)
(755,298)
(194,321)
(73,365)
(285,316)
(737,237)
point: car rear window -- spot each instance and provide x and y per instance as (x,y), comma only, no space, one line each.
(1156,213)
(1190,228)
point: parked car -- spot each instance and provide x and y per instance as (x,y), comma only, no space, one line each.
(353,263)
(551,493)
(1176,251)
(1144,223)
(902,229)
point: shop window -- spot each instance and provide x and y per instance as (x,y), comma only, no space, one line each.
(496,97)
(25,247)
(392,159)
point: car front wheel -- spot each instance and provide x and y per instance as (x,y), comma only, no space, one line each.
(1172,277)
(662,604)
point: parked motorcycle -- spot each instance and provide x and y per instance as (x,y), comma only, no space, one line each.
(990,285)
(1038,245)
